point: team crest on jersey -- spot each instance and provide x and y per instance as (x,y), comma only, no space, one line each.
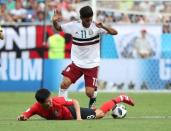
(90,32)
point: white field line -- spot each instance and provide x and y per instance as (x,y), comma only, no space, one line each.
(145,117)
(130,117)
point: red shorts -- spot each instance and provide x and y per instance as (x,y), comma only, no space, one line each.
(74,72)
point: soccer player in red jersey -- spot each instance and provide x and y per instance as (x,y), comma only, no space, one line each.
(59,108)
(85,51)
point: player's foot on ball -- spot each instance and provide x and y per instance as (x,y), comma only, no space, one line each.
(124,98)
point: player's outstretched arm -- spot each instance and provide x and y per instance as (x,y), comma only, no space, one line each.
(108,29)
(27,114)
(1,34)
(77,109)
(55,20)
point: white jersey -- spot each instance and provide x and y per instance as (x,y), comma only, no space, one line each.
(85,52)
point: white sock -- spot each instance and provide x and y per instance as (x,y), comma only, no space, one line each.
(95,94)
(63,92)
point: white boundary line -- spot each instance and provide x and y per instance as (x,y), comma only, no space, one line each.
(150,117)
(144,117)
(130,117)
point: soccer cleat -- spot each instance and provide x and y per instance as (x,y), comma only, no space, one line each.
(125,99)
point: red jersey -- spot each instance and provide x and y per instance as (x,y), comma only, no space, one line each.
(58,111)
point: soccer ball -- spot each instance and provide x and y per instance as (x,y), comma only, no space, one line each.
(119,111)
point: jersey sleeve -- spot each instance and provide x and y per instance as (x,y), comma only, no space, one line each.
(102,31)
(30,111)
(67,28)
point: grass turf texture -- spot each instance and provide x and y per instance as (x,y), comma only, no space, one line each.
(152,112)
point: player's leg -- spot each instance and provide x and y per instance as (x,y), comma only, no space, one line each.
(91,92)
(66,82)
(125,99)
(71,74)
(107,106)
(99,113)
(90,76)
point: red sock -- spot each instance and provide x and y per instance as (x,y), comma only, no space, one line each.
(118,99)
(107,106)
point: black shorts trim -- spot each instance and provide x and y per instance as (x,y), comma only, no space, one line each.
(86,113)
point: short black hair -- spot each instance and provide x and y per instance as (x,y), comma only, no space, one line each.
(42,94)
(86,11)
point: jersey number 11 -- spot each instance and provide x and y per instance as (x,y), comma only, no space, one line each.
(83,34)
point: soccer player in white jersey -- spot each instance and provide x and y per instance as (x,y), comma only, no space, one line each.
(85,52)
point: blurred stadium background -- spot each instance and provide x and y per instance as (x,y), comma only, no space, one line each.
(137,59)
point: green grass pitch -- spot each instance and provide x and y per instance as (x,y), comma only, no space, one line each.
(152,112)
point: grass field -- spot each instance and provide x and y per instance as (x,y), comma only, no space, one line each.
(151,113)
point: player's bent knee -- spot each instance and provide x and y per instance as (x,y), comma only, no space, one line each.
(99,114)
(65,85)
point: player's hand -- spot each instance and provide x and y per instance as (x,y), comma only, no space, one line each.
(56,16)
(21,118)
(99,24)
(79,119)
